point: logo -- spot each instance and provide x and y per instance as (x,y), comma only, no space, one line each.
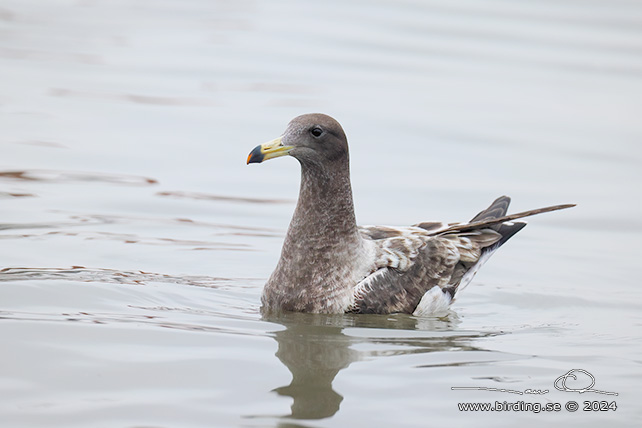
(579,378)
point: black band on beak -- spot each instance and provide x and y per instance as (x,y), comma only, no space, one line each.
(255,156)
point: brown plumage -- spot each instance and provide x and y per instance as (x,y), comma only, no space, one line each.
(330,265)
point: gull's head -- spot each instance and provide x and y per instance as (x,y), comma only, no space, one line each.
(311,138)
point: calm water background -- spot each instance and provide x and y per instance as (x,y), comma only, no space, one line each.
(134,240)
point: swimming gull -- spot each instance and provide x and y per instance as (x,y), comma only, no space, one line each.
(329,264)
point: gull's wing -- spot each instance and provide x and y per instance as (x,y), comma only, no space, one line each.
(420,269)
(407,271)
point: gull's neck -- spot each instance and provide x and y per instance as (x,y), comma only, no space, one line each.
(324,217)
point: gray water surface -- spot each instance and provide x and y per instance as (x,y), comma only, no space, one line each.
(134,240)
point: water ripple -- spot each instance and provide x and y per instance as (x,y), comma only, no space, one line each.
(84,274)
(54,176)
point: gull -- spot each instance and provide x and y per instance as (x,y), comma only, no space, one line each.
(330,265)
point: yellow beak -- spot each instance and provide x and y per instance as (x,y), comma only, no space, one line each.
(272,149)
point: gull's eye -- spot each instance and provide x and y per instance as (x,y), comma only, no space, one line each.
(316,131)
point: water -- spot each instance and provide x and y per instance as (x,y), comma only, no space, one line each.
(134,240)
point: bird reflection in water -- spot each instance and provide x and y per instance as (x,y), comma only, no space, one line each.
(315,348)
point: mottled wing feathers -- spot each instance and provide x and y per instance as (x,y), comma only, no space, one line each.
(389,290)
(410,261)
(394,247)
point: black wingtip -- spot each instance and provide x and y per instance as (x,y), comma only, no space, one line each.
(507,230)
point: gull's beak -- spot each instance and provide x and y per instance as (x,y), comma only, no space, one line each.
(272,149)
